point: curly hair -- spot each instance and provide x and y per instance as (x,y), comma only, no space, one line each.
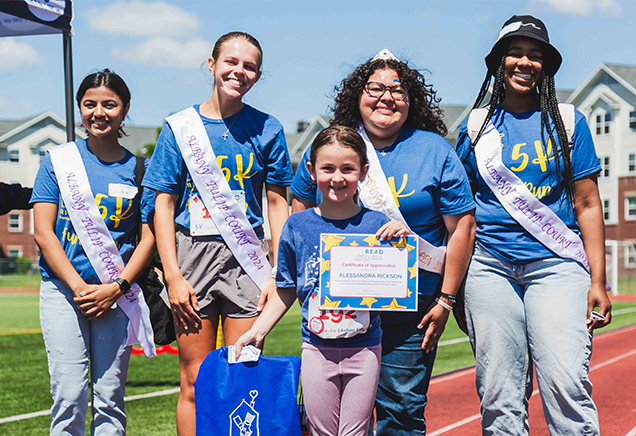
(424,110)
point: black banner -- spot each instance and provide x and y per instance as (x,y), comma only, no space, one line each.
(35,17)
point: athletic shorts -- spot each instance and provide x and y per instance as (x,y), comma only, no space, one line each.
(222,285)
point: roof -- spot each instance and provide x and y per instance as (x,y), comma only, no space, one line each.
(8,125)
(627,72)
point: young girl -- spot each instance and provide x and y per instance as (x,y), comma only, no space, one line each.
(339,376)
(84,330)
(209,169)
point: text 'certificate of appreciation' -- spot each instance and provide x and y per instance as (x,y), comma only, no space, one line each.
(360,272)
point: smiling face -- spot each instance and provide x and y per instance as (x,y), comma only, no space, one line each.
(337,171)
(383,116)
(523,68)
(237,68)
(102,112)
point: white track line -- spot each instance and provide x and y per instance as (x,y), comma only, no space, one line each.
(632,432)
(536,391)
(130,398)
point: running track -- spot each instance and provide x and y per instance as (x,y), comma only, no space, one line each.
(453,406)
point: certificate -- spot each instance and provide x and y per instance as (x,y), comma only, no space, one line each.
(363,273)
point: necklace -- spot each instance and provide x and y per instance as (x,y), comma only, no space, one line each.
(227,131)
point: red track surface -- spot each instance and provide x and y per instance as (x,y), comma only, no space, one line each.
(453,408)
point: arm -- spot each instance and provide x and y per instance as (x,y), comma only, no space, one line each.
(96,302)
(44,217)
(183,298)
(277,213)
(298,204)
(278,304)
(461,239)
(589,214)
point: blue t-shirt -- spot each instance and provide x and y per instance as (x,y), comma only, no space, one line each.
(427,181)
(299,265)
(255,152)
(523,153)
(120,214)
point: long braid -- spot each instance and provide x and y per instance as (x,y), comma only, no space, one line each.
(497,96)
(550,109)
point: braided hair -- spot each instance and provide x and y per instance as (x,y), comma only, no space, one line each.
(424,110)
(549,109)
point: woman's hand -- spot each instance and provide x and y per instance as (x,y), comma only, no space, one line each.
(392,229)
(96,300)
(267,290)
(435,322)
(597,297)
(184,303)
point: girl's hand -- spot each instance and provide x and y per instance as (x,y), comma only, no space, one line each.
(392,229)
(96,300)
(435,322)
(268,289)
(597,297)
(248,338)
(184,304)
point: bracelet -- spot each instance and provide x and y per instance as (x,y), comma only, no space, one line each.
(450,297)
(274,270)
(444,305)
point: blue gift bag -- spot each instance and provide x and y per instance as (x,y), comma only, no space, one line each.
(247,399)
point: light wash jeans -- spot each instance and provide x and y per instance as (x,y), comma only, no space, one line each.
(520,315)
(71,341)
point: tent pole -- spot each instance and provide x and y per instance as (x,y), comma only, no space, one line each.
(68,87)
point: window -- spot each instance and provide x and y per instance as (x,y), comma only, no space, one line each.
(14,155)
(632,121)
(15,222)
(42,153)
(630,208)
(606,210)
(15,252)
(605,167)
(630,256)
(603,124)
(631,163)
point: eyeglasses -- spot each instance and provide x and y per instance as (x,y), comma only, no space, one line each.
(377,90)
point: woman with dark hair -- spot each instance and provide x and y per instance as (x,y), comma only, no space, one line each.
(209,169)
(87,213)
(415,177)
(538,270)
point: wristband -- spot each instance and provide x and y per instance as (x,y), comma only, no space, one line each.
(274,270)
(450,297)
(444,305)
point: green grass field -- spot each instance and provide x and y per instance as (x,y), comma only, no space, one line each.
(25,380)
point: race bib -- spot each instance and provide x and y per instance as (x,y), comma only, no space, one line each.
(336,323)
(201,223)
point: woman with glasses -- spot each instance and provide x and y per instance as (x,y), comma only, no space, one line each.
(538,270)
(415,177)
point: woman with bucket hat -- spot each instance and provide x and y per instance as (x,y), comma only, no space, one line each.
(538,270)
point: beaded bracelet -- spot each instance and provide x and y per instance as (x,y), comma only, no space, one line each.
(444,305)
(450,297)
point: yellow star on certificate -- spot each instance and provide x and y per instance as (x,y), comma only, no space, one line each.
(409,293)
(354,244)
(329,303)
(325,265)
(413,271)
(371,240)
(332,241)
(410,247)
(368,301)
(393,305)
(400,244)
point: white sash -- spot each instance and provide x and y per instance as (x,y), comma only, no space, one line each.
(228,215)
(537,218)
(375,194)
(97,242)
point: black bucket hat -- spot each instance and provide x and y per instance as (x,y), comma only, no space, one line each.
(529,27)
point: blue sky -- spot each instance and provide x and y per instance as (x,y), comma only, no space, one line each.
(160,48)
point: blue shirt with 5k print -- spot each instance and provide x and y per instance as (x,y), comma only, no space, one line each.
(254,153)
(523,153)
